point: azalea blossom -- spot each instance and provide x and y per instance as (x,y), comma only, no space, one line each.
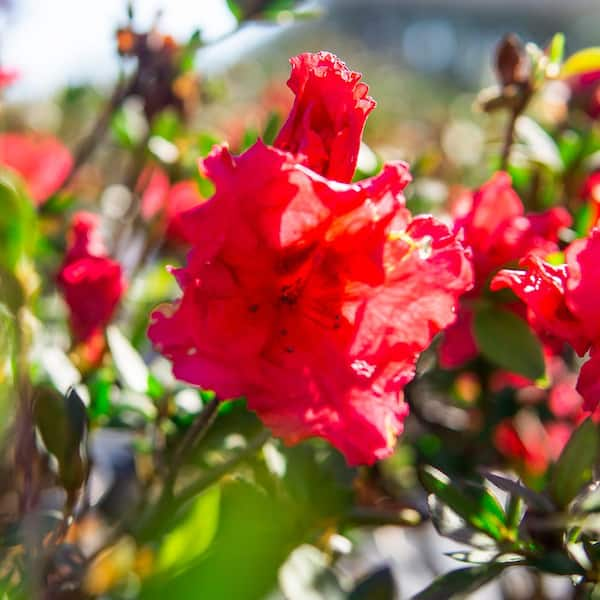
(310,297)
(91,282)
(41,160)
(327,119)
(494,226)
(167,202)
(561,302)
(7,77)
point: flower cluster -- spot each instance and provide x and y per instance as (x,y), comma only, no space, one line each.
(561,300)
(494,226)
(311,296)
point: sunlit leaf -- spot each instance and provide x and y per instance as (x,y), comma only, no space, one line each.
(130,365)
(539,147)
(17,222)
(477,506)
(192,534)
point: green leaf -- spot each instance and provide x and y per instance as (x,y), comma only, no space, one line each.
(477,506)
(506,340)
(8,349)
(18,222)
(574,466)
(130,365)
(557,49)
(530,497)
(557,563)
(236,9)
(271,128)
(538,145)
(461,581)
(193,534)
(62,423)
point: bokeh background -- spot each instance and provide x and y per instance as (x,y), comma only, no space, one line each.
(424,60)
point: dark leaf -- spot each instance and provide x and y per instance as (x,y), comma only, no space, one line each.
(62,423)
(379,585)
(557,563)
(506,340)
(531,498)
(574,466)
(461,581)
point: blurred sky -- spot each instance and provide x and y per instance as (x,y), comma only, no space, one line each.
(55,42)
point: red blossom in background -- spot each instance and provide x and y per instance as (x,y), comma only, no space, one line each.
(168,203)
(92,283)
(7,77)
(310,297)
(42,161)
(327,119)
(534,443)
(562,303)
(498,232)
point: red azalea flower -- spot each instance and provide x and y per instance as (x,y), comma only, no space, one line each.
(524,440)
(585,92)
(311,298)
(91,283)
(494,225)
(42,161)
(160,198)
(561,302)
(7,77)
(327,119)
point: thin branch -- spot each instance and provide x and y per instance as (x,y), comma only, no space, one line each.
(213,476)
(193,435)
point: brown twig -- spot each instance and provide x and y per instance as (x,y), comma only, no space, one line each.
(87,146)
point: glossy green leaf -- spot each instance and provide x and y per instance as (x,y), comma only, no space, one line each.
(574,466)
(476,505)
(556,50)
(507,341)
(17,222)
(193,534)
(461,581)
(557,563)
